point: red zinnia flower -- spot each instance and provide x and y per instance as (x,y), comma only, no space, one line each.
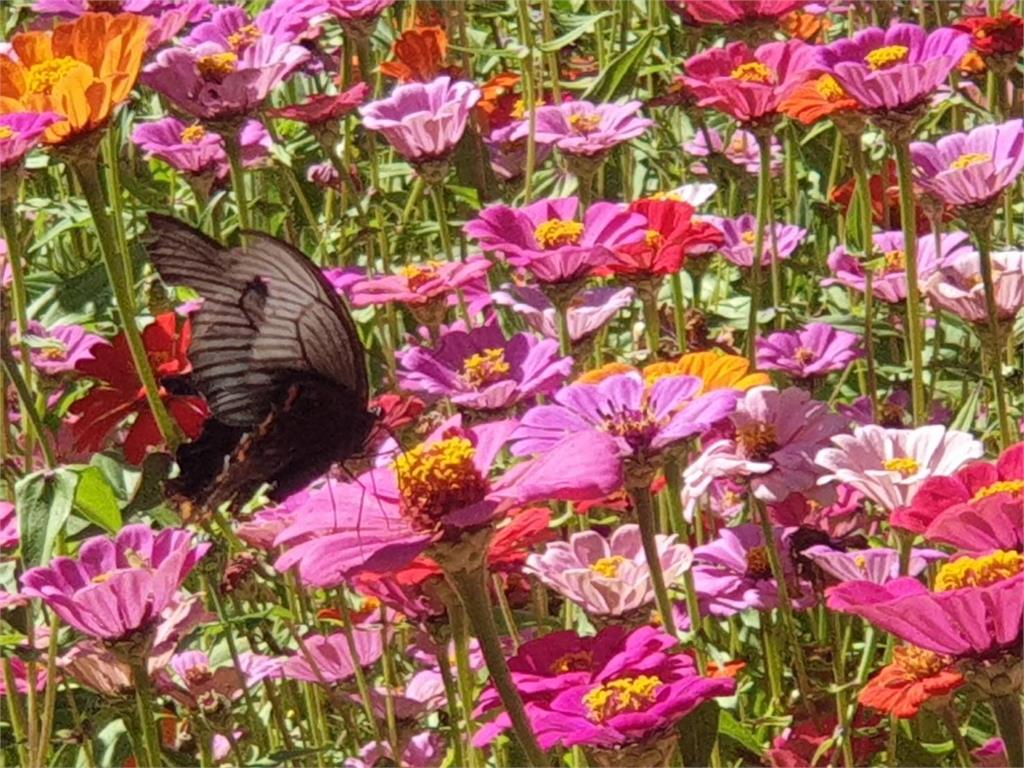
(885,200)
(815,99)
(322,107)
(672,235)
(994,35)
(419,56)
(118,392)
(913,678)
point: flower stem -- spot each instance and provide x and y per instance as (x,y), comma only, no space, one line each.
(463,672)
(233,149)
(652,323)
(860,171)
(1007,710)
(471,587)
(86,170)
(764,179)
(529,98)
(675,281)
(983,236)
(908,218)
(641,496)
(963,752)
(149,740)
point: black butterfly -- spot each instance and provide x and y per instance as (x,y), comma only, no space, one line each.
(277,358)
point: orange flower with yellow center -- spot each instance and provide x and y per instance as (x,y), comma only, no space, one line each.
(717,370)
(419,55)
(816,99)
(81,70)
(915,677)
(597,375)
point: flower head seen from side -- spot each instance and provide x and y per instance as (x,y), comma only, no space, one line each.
(956,286)
(998,40)
(426,287)
(20,132)
(117,588)
(889,466)
(482,370)
(585,129)
(889,273)
(894,69)
(81,71)
(58,350)
(118,394)
(607,576)
(328,659)
(736,12)
(815,350)
(973,168)
(741,152)
(717,370)
(878,565)
(588,312)
(781,240)
(323,108)
(916,678)
(192,149)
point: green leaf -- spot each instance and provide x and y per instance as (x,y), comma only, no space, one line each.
(735,731)
(44,501)
(583,25)
(968,412)
(96,500)
(149,493)
(618,78)
(698,732)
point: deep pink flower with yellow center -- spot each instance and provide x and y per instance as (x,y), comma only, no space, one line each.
(20,132)
(896,68)
(427,288)
(192,149)
(813,351)
(547,239)
(748,84)
(729,12)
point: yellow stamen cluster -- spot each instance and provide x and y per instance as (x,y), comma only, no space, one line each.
(758,564)
(627,694)
(919,663)
(749,237)
(485,368)
(41,77)
(758,440)
(829,88)
(217,66)
(555,233)
(652,237)
(585,123)
(244,37)
(418,275)
(979,571)
(753,72)
(803,355)
(895,261)
(575,661)
(437,478)
(193,134)
(968,159)
(608,566)
(6,132)
(905,465)
(1015,487)
(880,58)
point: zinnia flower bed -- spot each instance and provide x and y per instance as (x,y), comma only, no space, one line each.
(541,383)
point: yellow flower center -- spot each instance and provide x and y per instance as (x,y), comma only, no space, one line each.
(968,159)
(749,237)
(758,564)
(652,237)
(555,233)
(895,261)
(585,123)
(217,66)
(244,37)
(576,661)
(6,132)
(1001,486)
(485,368)
(919,663)
(754,72)
(597,375)
(803,355)
(669,196)
(979,571)
(55,352)
(438,478)
(861,562)
(905,465)
(627,694)
(880,58)
(757,440)
(102,578)
(608,566)
(43,76)
(829,88)
(193,134)
(419,275)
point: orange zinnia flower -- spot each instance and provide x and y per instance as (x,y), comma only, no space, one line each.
(499,102)
(81,70)
(419,55)
(805,26)
(815,99)
(716,369)
(913,678)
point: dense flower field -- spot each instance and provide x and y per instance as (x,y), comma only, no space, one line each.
(511,382)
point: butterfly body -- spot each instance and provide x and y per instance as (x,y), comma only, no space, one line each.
(275,355)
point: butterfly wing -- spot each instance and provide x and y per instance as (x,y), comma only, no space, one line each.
(267,314)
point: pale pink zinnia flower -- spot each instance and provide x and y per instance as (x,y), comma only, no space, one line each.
(608,577)
(957,287)
(582,128)
(889,466)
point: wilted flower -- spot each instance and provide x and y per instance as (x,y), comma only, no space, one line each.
(815,350)
(780,240)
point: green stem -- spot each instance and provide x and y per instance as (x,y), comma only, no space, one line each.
(675,281)
(451,697)
(150,742)
(963,752)
(529,97)
(652,323)
(15,713)
(87,173)
(463,672)
(564,337)
(233,149)
(360,675)
(764,180)
(640,493)
(390,681)
(28,409)
(1007,710)
(908,218)
(983,236)
(471,587)
(866,230)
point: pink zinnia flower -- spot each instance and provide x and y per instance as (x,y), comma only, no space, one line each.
(780,240)
(608,577)
(895,68)
(889,282)
(190,148)
(985,525)
(358,10)
(117,587)
(327,659)
(20,132)
(482,370)
(59,349)
(748,84)
(192,680)
(546,239)
(728,12)
(423,121)
(9,531)
(956,287)
(169,16)
(232,29)
(583,128)
(742,150)
(970,168)
(588,311)
(879,565)
(889,466)
(815,350)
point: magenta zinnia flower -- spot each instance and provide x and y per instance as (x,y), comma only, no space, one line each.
(117,588)
(879,565)
(956,287)
(232,29)
(815,350)
(589,311)
(889,281)
(608,577)
(60,348)
(583,128)
(190,148)
(748,84)
(20,132)
(741,232)
(482,370)
(423,121)
(729,12)
(970,168)
(896,68)
(546,239)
